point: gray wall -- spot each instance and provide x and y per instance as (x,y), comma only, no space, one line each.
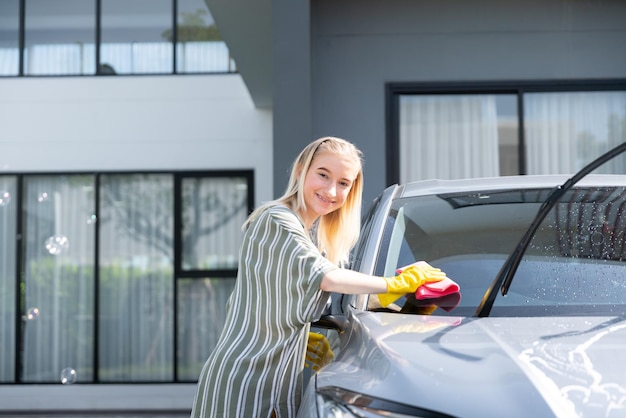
(291,85)
(359,45)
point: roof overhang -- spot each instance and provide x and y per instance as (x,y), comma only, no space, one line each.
(246,26)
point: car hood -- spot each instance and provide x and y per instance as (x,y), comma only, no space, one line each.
(487,367)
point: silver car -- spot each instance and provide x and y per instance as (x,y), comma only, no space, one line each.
(537,329)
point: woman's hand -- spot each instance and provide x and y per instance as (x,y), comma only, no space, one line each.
(318,352)
(408,280)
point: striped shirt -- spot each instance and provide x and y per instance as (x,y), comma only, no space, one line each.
(257,364)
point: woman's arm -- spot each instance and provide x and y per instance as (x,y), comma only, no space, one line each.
(408,280)
(352,282)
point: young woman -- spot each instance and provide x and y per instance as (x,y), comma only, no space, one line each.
(284,279)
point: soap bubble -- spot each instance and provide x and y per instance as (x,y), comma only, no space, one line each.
(31,314)
(92,219)
(5,198)
(57,244)
(42,197)
(68,376)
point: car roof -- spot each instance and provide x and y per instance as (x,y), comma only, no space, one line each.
(435,186)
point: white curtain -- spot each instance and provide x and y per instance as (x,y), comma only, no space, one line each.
(135,312)
(448,137)
(203,56)
(8,211)
(42,59)
(201,314)
(124,58)
(213,211)
(566,131)
(136,286)
(58,321)
(9,61)
(138,57)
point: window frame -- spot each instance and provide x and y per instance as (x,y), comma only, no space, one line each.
(393,91)
(97,28)
(178,272)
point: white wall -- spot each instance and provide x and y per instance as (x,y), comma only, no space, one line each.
(105,399)
(205,122)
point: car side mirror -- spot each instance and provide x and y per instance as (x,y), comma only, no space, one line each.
(337,322)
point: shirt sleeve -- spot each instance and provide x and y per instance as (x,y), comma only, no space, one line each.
(303,266)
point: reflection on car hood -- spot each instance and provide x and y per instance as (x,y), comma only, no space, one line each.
(488,367)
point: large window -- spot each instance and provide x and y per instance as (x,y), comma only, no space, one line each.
(59,37)
(116,277)
(107,37)
(564,131)
(57,288)
(9,37)
(213,211)
(132,36)
(464,131)
(199,45)
(8,270)
(136,265)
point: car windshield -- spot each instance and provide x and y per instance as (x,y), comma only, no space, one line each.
(574,264)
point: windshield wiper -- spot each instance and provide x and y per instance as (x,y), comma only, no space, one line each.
(505,275)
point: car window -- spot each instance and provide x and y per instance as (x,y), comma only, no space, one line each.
(366,226)
(575,262)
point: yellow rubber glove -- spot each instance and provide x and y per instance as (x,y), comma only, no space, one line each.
(409,280)
(318,352)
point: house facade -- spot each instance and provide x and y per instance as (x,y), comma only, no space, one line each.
(426,89)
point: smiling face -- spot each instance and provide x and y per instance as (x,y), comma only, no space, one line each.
(327,184)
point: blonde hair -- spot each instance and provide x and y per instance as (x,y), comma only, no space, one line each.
(337,231)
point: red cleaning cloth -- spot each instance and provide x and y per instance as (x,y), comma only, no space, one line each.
(437,289)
